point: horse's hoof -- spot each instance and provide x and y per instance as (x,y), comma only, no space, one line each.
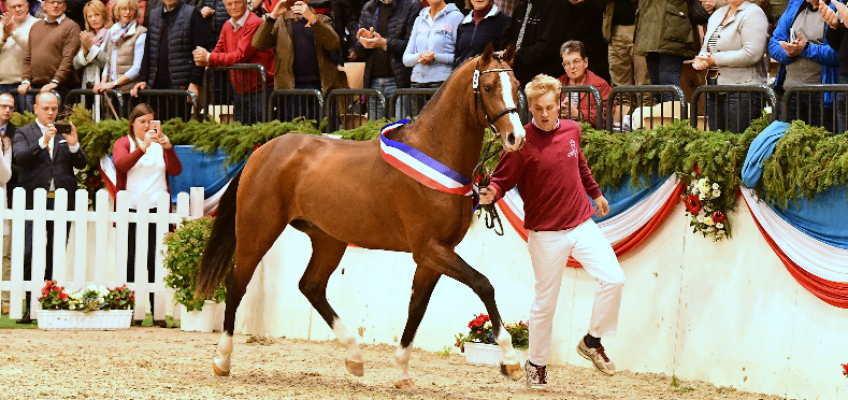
(355,368)
(218,371)
(512,371)
(405,384)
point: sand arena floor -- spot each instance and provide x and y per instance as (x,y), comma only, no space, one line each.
(155,363)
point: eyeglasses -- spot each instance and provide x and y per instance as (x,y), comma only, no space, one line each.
(55,3)
(576,63)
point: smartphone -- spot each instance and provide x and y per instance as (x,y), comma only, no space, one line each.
(792,36)
(155,125)
(63,129)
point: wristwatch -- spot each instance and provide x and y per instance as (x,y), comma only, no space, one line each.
(26,82)
(54,81)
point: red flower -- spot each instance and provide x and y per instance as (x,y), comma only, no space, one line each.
(692,203)
(54,282)
(257,146)
(63,296)
(45,292)
(845,369)
(719,217)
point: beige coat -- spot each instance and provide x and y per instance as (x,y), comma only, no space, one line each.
(741,46)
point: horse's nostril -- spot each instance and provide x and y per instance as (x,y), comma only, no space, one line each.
(510,138)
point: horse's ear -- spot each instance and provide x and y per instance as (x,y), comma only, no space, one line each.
(487,54)
(509,54)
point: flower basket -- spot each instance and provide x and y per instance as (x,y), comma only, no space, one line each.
(209,319)
(483,354)
(93,321)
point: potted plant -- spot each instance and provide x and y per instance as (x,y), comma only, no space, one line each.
(185,248)
(479,344)
(94,308)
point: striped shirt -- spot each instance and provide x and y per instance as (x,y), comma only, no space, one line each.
(712,46)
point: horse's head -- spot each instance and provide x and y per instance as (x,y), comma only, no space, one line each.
(495,94)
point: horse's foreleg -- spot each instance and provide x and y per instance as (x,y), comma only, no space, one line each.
(447,262)
(327,253)
(422,288)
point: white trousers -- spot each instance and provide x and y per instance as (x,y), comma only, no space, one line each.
(549,251)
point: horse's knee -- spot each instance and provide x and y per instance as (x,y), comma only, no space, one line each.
(483,288)
(309,289)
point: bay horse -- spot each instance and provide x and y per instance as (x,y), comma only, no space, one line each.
(343,192)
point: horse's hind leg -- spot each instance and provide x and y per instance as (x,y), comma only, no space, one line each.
(257,234)
(327,253)
(422,288)
(447,262)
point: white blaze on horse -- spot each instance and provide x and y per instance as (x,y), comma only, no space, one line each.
(340,192)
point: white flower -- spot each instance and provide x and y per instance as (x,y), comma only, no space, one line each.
(709,230)
(707,209)
(704,185)
(709,221)
(716,186)
(102,291)
(701,219)
(716,193)
(694,190)
(76,296)
(719,225)
(487,325)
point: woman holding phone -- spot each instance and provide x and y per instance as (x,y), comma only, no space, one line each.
(143,160)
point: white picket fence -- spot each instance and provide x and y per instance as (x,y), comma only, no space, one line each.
(97,243)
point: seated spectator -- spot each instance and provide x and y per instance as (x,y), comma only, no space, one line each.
(49,58)
(176,29)
(303,42)
(733,55)
(806,59)
(97,24)
(430,51)
(485,24)
(382,38)
(537,37)
(16,24)
(576,105)
(124,50)
(235,47)
(143,160)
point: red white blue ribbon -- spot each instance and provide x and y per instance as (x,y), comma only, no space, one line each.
(422,167)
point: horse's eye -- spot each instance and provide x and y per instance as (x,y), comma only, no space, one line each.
(488,89)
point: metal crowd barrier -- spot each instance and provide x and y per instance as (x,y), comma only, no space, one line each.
(668,102)
(167,103)
(288,104)
(352,108)
(100,109)
(408,102)
(30,99)
(733,107)
(222,100)
(810,106)
(576,94)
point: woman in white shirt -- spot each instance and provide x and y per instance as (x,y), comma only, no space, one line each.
(97,24)
(143,160)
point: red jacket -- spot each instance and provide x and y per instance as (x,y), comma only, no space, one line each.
(236,48)
(552,176)
(583,106)
(124,161)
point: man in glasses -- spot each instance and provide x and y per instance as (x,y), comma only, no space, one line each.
(48,60)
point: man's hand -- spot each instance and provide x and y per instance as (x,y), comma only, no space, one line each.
(828,15)
(137,87)
(22,88)
(9,25)
(195,89)
(794,49)
(302,9)
(279,9)
(72,137)
(351,55)
(48,87)
(379,41)
(487,195)
(207,12)
(602,205)
(366,37)
(49,134)
(843,12)
(201,56)
(86,41)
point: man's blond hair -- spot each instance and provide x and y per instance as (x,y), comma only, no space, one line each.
(541,85)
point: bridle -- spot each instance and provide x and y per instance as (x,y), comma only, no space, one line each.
(478,97)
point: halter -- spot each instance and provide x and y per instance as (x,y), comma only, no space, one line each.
(478,100)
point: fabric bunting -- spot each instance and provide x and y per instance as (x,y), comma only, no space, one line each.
(200,169)
(633,216)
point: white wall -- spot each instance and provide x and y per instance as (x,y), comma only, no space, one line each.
(727,313)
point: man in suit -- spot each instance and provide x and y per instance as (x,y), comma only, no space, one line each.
(46,161)
(7,132)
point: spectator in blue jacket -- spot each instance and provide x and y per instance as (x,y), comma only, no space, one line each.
(431,47)
(483,25)
(805,59)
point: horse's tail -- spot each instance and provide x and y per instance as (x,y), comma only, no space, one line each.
(217,258)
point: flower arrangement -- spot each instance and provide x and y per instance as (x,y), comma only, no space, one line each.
(480,331)
(703,207)
(92,298)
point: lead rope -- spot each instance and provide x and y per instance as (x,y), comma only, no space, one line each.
(482,177)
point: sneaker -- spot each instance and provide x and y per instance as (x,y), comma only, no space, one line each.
(598,357)
(537,377)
